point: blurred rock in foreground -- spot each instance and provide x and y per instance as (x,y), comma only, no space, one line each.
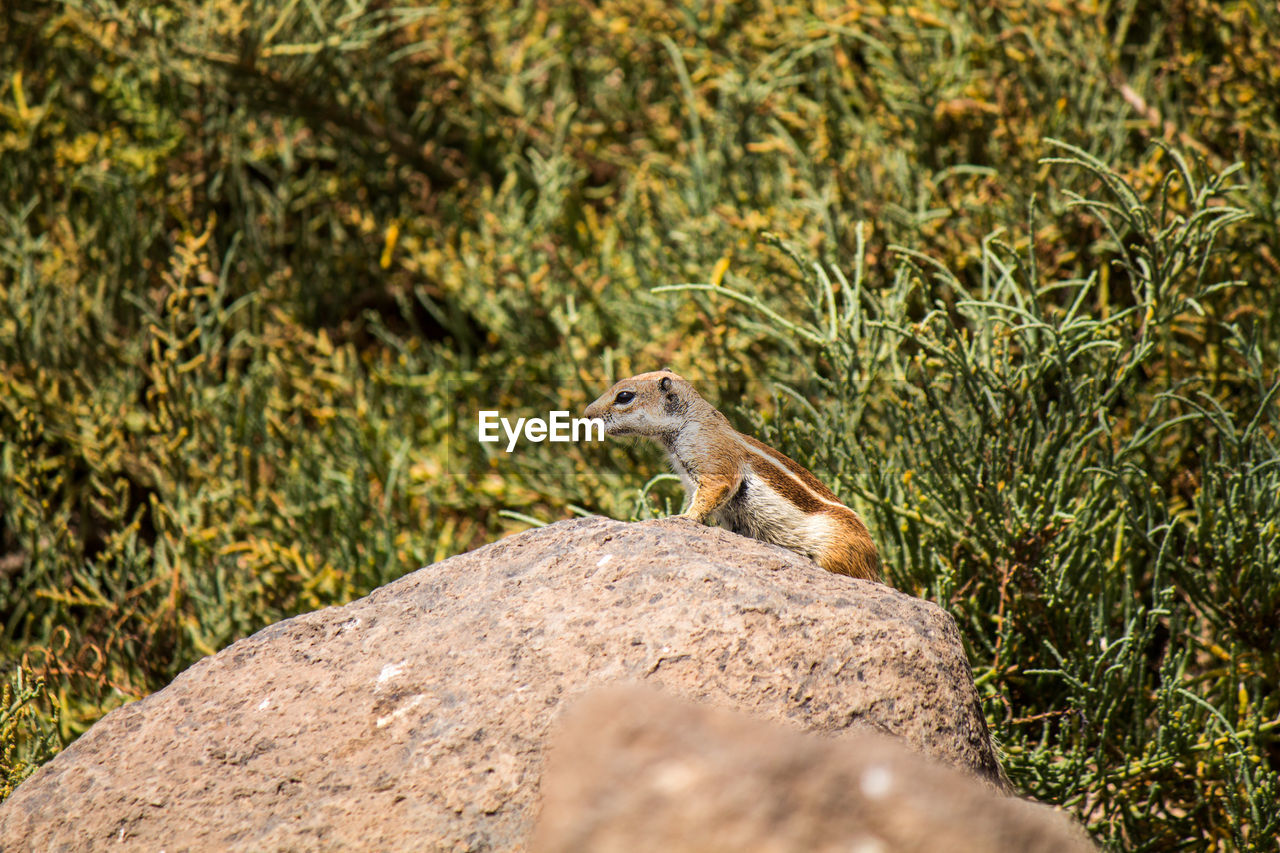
(632,769)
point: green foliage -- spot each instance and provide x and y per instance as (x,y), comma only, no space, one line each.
(28,738)
(1074,485)
(260,262)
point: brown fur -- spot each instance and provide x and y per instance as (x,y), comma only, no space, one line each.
(734,480)
(800,495)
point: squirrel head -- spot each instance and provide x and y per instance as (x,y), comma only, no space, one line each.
(650,404)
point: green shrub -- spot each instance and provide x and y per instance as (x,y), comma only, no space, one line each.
(1090,497)
(28,737)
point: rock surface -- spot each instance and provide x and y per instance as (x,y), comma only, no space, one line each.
(414,718)
(632,769)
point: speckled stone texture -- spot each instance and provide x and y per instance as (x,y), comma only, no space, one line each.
(633,769)
(415,718)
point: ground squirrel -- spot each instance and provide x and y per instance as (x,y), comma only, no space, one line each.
(734,481)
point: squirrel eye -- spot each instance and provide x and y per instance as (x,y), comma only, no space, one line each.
(624,397)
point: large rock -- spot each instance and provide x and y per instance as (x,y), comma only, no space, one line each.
(632,769)
(414,718)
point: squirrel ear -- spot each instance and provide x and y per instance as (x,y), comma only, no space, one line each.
(665,384)
(667,369)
